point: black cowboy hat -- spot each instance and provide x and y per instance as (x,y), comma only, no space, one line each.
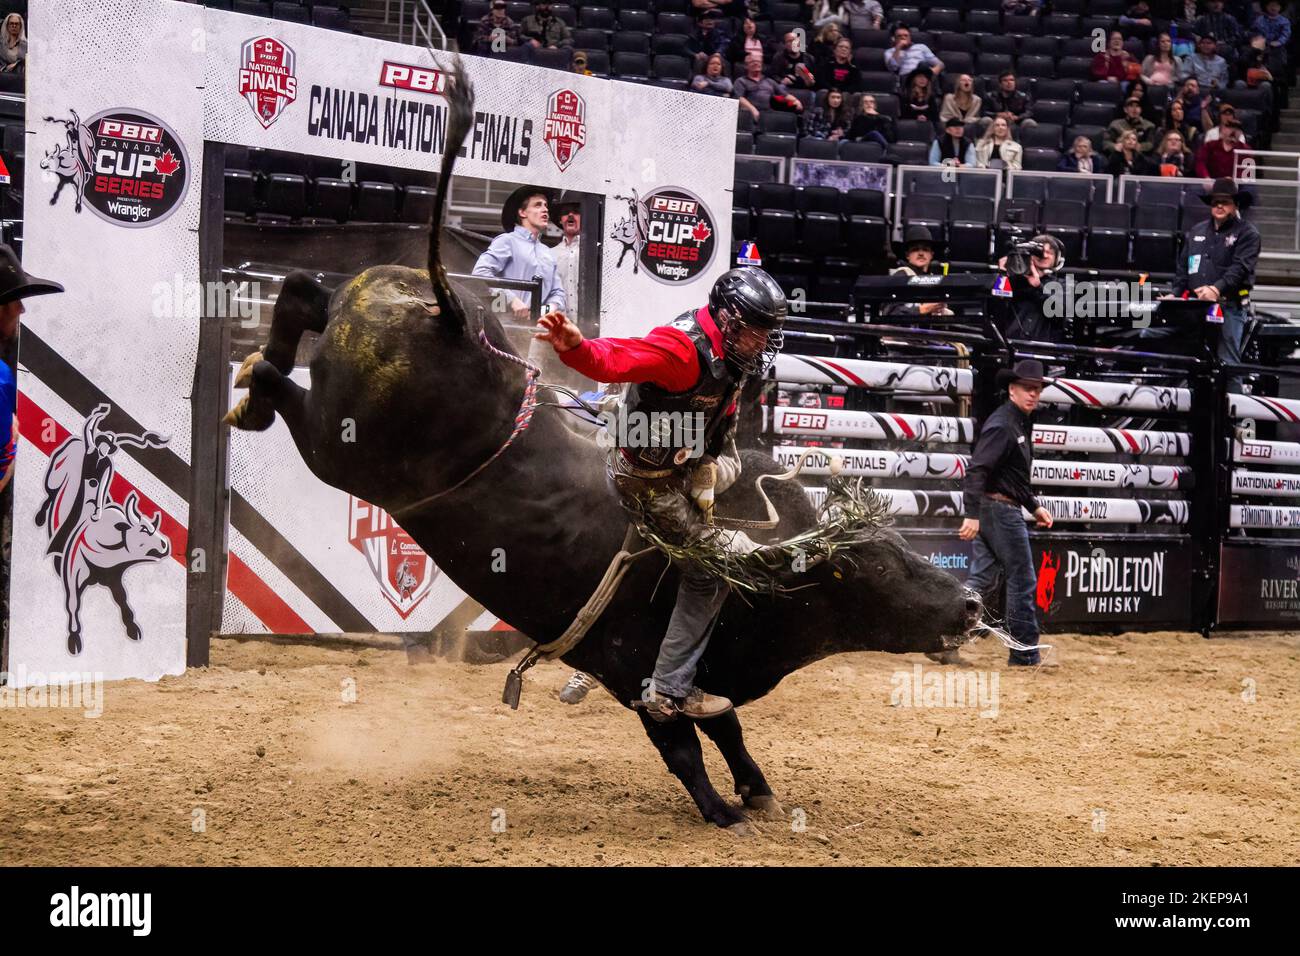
(1026,370)
(510,211)
(915,235)
(1226,187)
(15,283)
(562,203)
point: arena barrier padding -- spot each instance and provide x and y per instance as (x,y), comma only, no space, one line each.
(906,503)
(863,373)
(1263,516)
(1117,395)
(1263,408)
(1266,452)
(1271,484)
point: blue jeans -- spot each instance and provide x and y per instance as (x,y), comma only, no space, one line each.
(1004,540)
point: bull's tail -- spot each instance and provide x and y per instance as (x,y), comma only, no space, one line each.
(460,99)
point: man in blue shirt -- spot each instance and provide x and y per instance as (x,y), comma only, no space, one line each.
(519,253)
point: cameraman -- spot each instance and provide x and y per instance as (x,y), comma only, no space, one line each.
(1032,265)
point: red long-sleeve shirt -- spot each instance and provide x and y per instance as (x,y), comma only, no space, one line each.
(666,356)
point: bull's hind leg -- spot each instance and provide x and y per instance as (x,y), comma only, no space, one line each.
(680,748)
(725,732)
(302,306)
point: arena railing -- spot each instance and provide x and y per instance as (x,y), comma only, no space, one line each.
(841,174)
(782,172)
(943,180)
(425,28)
(1019,176)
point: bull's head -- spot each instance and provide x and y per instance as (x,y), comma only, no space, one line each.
(144,540)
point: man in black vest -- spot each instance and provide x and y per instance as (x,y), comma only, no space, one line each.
(997,487)
(678,413)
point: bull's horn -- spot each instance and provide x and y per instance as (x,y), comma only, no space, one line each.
(132,511)
(244,377)
(157,519)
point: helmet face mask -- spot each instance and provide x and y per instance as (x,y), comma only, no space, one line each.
(749,308)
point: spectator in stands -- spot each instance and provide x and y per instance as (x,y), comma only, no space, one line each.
(1132,121)
(1206,66)
(1137,20)
(714,37)
(919,102)
(905,57)
(1114,65)
(712,80)
(1160,68)
(544,30)
(1081,158)
(841,72)
(823,12)
(1275,28)
(954,147)
(872,126)
(917,255)
(1175,119)
(1197,106)
(1022,8)
(747,41)
(962,102)
(1171,157)
(831,121)
(823,47)
(579,63)
(1218,260)
(1223,27)
(1008,103)
(720,8)
(1227,115)
(519,253)
(1219,158)
(13,51)
(792,67)
(1254,69)
(758,93)
(496,32)
(1126,157)
(997,149)
(863,14)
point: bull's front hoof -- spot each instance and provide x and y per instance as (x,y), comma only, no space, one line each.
(133,632)
(244,377)
(74,644)
(766,807)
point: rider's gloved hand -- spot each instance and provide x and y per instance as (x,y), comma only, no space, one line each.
(556,328)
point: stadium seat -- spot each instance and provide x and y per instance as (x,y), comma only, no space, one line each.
(1055,89)
(1153,252)
(778,122)
(566,13)
(1094,133)
(557,59)
(908,15)
(598,62)
(775,196)
(910,154)
(828,288)
(774,144)
(1155,217)
(1066,219)
(1167,193)
(672,68)
(596,18)
(1076,188)
(631,66)
(916,131)
(955,43)
(740,193)
(744,144)
(983,21)
(741,225)
(879,81)
(887,105)
(995,43)
(376,202)
(1027,208)
(822,233)
(1108,236)
(992,64)
(984,187)
(285,194)
(667,6)
(291,12)
(755,171)
(331,198)
(1093,114)
(1052,111)
(588,39)
(867,202)
(810,148)
(674,23)
(1096,91)
(1020,25)
(1074,67)
(819,198)
(958,61)
(807,97)
(417,203)
(625,41)
(1040,160)
(867,237)
(240,186)
(930,211)
(252,8)
(1194,211)
(943,20)
(639,20)
(331,18)
(862,152)
(1042,135)
(1049,46)
(930,181)
(775,230)
(671,44)
(517,10)
(745,122)
(1037,66)
(970,229)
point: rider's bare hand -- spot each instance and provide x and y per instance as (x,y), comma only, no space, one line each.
(556,328)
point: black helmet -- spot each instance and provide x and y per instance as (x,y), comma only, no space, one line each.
(748,297)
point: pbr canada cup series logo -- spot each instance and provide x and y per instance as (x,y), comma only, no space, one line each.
(566,127)
(266,78)
(404,572)
(669,231)
(129,166)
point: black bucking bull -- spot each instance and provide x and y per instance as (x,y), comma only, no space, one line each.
(429,405)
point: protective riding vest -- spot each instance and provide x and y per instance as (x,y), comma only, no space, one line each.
(682,426)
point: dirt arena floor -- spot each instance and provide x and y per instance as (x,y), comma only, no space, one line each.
(1139,749)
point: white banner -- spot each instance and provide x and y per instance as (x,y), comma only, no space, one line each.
(1273,484)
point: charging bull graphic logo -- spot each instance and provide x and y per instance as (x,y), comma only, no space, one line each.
(669,232)
(630,231)
(129,167)
(1047,571)
(94,539)
(404,572)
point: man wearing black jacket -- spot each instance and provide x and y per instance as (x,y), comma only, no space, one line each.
(996,488)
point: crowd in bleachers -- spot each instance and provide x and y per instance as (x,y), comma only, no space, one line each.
(329,16)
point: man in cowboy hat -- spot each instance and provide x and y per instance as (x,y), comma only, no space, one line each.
(519,253)
(15,285)
(996,488)
(568,253)
(1217,262)
(916,257)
